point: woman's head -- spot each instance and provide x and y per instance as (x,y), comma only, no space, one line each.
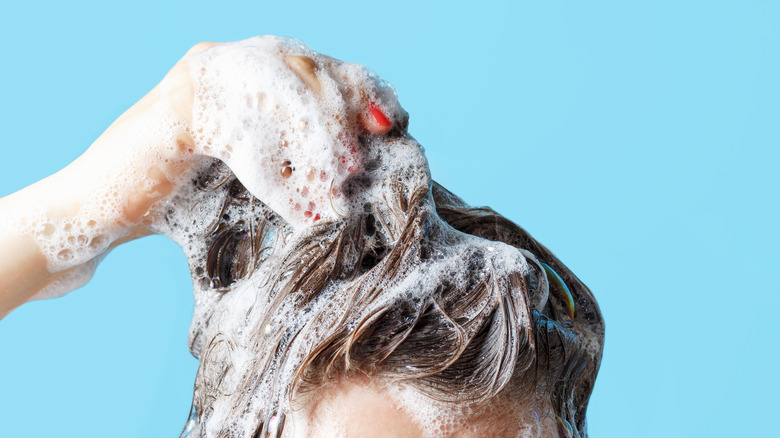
(401,281)
(417,288)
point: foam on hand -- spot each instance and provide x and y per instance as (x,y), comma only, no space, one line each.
(280,116)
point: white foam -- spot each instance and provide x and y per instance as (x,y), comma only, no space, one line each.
(69,280)
(295,147)
(288,143)
(76,215)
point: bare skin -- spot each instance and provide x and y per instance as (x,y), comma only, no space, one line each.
(351,409)
(23,267)
(368,408)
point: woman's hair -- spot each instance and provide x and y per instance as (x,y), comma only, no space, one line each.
(349,298)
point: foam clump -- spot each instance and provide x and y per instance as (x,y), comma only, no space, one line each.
(280,115)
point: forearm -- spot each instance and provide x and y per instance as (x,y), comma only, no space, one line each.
(53,233)
(27,219)
(23,271)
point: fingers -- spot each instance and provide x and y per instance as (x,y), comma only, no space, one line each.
(306,69)
(374,120)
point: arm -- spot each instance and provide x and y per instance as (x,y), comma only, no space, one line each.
(66,221)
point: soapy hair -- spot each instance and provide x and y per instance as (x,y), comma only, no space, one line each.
(460,341)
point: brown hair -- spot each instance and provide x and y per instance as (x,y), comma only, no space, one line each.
(477,332)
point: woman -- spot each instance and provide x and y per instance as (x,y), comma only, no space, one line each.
(339,290)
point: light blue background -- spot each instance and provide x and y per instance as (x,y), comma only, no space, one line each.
(638,140)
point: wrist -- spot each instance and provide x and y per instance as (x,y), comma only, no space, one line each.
(64,218)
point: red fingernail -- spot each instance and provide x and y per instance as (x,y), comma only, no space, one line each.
(379,117)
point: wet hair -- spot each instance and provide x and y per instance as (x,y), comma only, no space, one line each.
(478,332)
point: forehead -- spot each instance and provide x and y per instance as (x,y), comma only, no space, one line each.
(378,408)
